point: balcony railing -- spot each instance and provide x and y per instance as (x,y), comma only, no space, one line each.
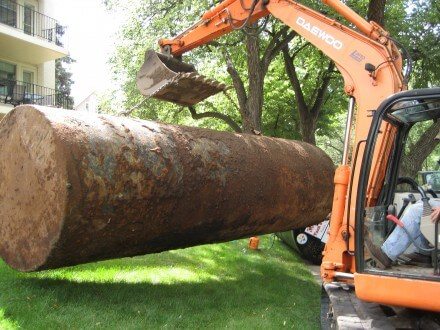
(18,92)
(31,22)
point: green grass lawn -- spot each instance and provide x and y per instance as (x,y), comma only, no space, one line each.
(212,286)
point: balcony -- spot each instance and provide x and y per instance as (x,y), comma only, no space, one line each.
(29,36)
(16,92)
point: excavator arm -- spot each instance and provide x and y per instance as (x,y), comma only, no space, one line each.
(350,50)
(368,60)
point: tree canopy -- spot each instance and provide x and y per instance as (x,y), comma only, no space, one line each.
(282,86)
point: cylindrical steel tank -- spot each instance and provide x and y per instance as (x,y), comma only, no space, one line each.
(77,187)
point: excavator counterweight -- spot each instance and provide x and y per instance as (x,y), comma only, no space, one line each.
(166,78)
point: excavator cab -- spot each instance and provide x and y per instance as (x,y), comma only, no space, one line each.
(395,220)
(166,78)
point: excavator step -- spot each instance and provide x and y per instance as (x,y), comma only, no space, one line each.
(166,78)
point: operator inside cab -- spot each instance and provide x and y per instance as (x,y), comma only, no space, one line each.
(401,230)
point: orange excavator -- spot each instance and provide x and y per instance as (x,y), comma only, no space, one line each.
(380,116)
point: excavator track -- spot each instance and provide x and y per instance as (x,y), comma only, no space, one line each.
(341,309)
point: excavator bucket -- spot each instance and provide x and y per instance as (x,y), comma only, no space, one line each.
(166,78)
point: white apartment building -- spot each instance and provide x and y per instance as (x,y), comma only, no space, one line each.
(30,42)
(89,104)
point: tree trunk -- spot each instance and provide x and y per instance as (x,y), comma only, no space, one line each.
(254,104)
(78,187)
(308,129)
(308,113)
(412,162)
(376,11)
(250,101)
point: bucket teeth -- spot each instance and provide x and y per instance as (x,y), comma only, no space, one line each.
(158,78)
(189,89)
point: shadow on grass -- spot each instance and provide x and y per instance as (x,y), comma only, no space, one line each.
(209,286)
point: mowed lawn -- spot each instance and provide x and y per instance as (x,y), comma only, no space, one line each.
(212,286)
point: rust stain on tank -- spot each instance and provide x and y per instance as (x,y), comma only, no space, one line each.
(106,187)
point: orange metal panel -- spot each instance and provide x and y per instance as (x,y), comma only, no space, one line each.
(398,291)
(213,24)
(353,17)
(351,51)
(381,158)
(333,252)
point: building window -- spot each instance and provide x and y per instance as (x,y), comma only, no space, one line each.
(28,77)
(28,80)
(7,71)
(28,20)
(7,77)
(8,13)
